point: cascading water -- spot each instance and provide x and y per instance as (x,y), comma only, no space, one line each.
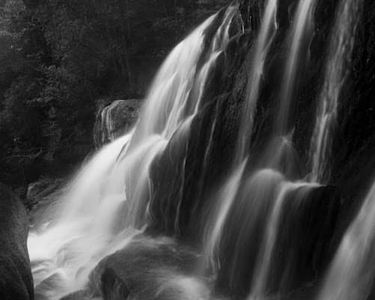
(337,70)
(107,203)
(174,100)
(169,104)
(265,235)
(61,260)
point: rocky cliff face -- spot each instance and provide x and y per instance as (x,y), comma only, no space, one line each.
(16,282)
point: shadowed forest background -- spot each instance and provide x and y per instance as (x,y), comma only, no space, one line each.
(62,60)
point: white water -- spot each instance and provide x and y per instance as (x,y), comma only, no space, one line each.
(303,22)
(351,274)
(60,257)
(107,203)
(176,93)
(340,51)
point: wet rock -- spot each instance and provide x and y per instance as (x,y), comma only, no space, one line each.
(16,282)
(115,120)
(150,268)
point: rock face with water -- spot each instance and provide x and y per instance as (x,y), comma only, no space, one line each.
(16,282)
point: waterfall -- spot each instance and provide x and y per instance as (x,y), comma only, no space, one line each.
(174,97)
(340,52)
(172,104)
(350,277)
(168,96)
(302,24)
(107,203)
(253,229)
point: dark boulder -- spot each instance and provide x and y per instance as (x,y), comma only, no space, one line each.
(16,281)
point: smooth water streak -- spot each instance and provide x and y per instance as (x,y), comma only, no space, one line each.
(349,277)
(302,26)
(264,40)
(337,71)
(226,198)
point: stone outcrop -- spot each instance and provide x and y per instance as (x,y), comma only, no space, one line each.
(16,282)
(115,120)
(43,190)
